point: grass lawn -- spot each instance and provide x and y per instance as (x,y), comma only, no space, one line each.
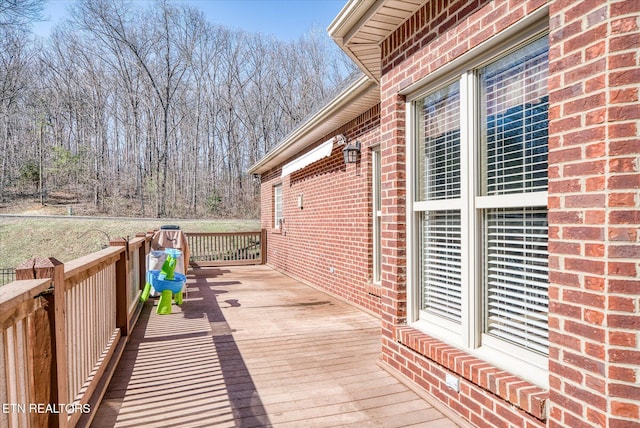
(69,238)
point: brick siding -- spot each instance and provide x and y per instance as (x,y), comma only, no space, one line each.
(328,242)
(594,216)
(594,182)
(438,33)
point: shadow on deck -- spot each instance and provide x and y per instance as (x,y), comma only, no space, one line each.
(251,347)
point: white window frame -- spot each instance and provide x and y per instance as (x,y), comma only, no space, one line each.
(468,335)
(376,166)
(278,206)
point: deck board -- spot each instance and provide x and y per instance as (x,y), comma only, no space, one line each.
(251,347)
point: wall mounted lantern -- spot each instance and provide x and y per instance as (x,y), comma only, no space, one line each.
(351,152)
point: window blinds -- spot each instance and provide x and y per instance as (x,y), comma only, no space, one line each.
(277,205)
(507,272)
(514,138)
(517,276)
(441,264)
(439,166)
(515,130)
(440,155)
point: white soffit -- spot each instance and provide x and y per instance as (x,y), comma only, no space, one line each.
(362,25)
(322,151)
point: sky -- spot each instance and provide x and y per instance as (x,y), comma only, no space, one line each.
(284,19)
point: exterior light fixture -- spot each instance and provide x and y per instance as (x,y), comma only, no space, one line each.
(351,152)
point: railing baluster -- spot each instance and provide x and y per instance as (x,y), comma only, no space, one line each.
(84,337)
(79,322)
(20,343)
(93,308)
(220,248)
(71,340)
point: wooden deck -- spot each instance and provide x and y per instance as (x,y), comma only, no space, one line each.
(251,347)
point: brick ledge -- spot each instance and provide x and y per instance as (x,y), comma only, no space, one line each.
(373,289)
(513,389)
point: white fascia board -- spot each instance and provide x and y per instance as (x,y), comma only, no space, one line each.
(348,21)
(351,18)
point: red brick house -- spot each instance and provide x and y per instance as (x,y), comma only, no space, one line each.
(492,217)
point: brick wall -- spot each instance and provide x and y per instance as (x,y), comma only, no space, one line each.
(594,216)
(328,242)
(439,32)
(594,199)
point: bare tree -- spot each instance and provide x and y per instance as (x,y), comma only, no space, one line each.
(156,111)
(17,14)
(16,59)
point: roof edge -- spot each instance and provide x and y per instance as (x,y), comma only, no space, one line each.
(347,22)
(348,17)
(348,95)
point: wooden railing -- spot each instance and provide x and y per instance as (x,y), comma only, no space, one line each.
(63,335)
(227,248)
(63,327)
(137,250)
(23,318)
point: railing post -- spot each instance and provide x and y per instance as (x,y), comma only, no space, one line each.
(54,269)
(263,246)
(122,279)
(42,349)
(25,270)
(142,258)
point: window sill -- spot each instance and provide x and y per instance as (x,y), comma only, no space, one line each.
(374,289)
(514,390)
(276,231)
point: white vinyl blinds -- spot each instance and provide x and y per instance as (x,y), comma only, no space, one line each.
(514,105)
(438,157)
(442,268)
(277,206)
(514,121)
(479,205)
(517,276)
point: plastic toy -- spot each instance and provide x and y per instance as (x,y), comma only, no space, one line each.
(168,288)
(168,267)
(166,281)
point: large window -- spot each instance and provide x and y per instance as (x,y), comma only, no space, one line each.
(377,216)
(438,191)
(513,119)
(479,264)
(277,206)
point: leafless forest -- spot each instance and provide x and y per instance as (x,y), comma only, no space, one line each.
(149,110)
